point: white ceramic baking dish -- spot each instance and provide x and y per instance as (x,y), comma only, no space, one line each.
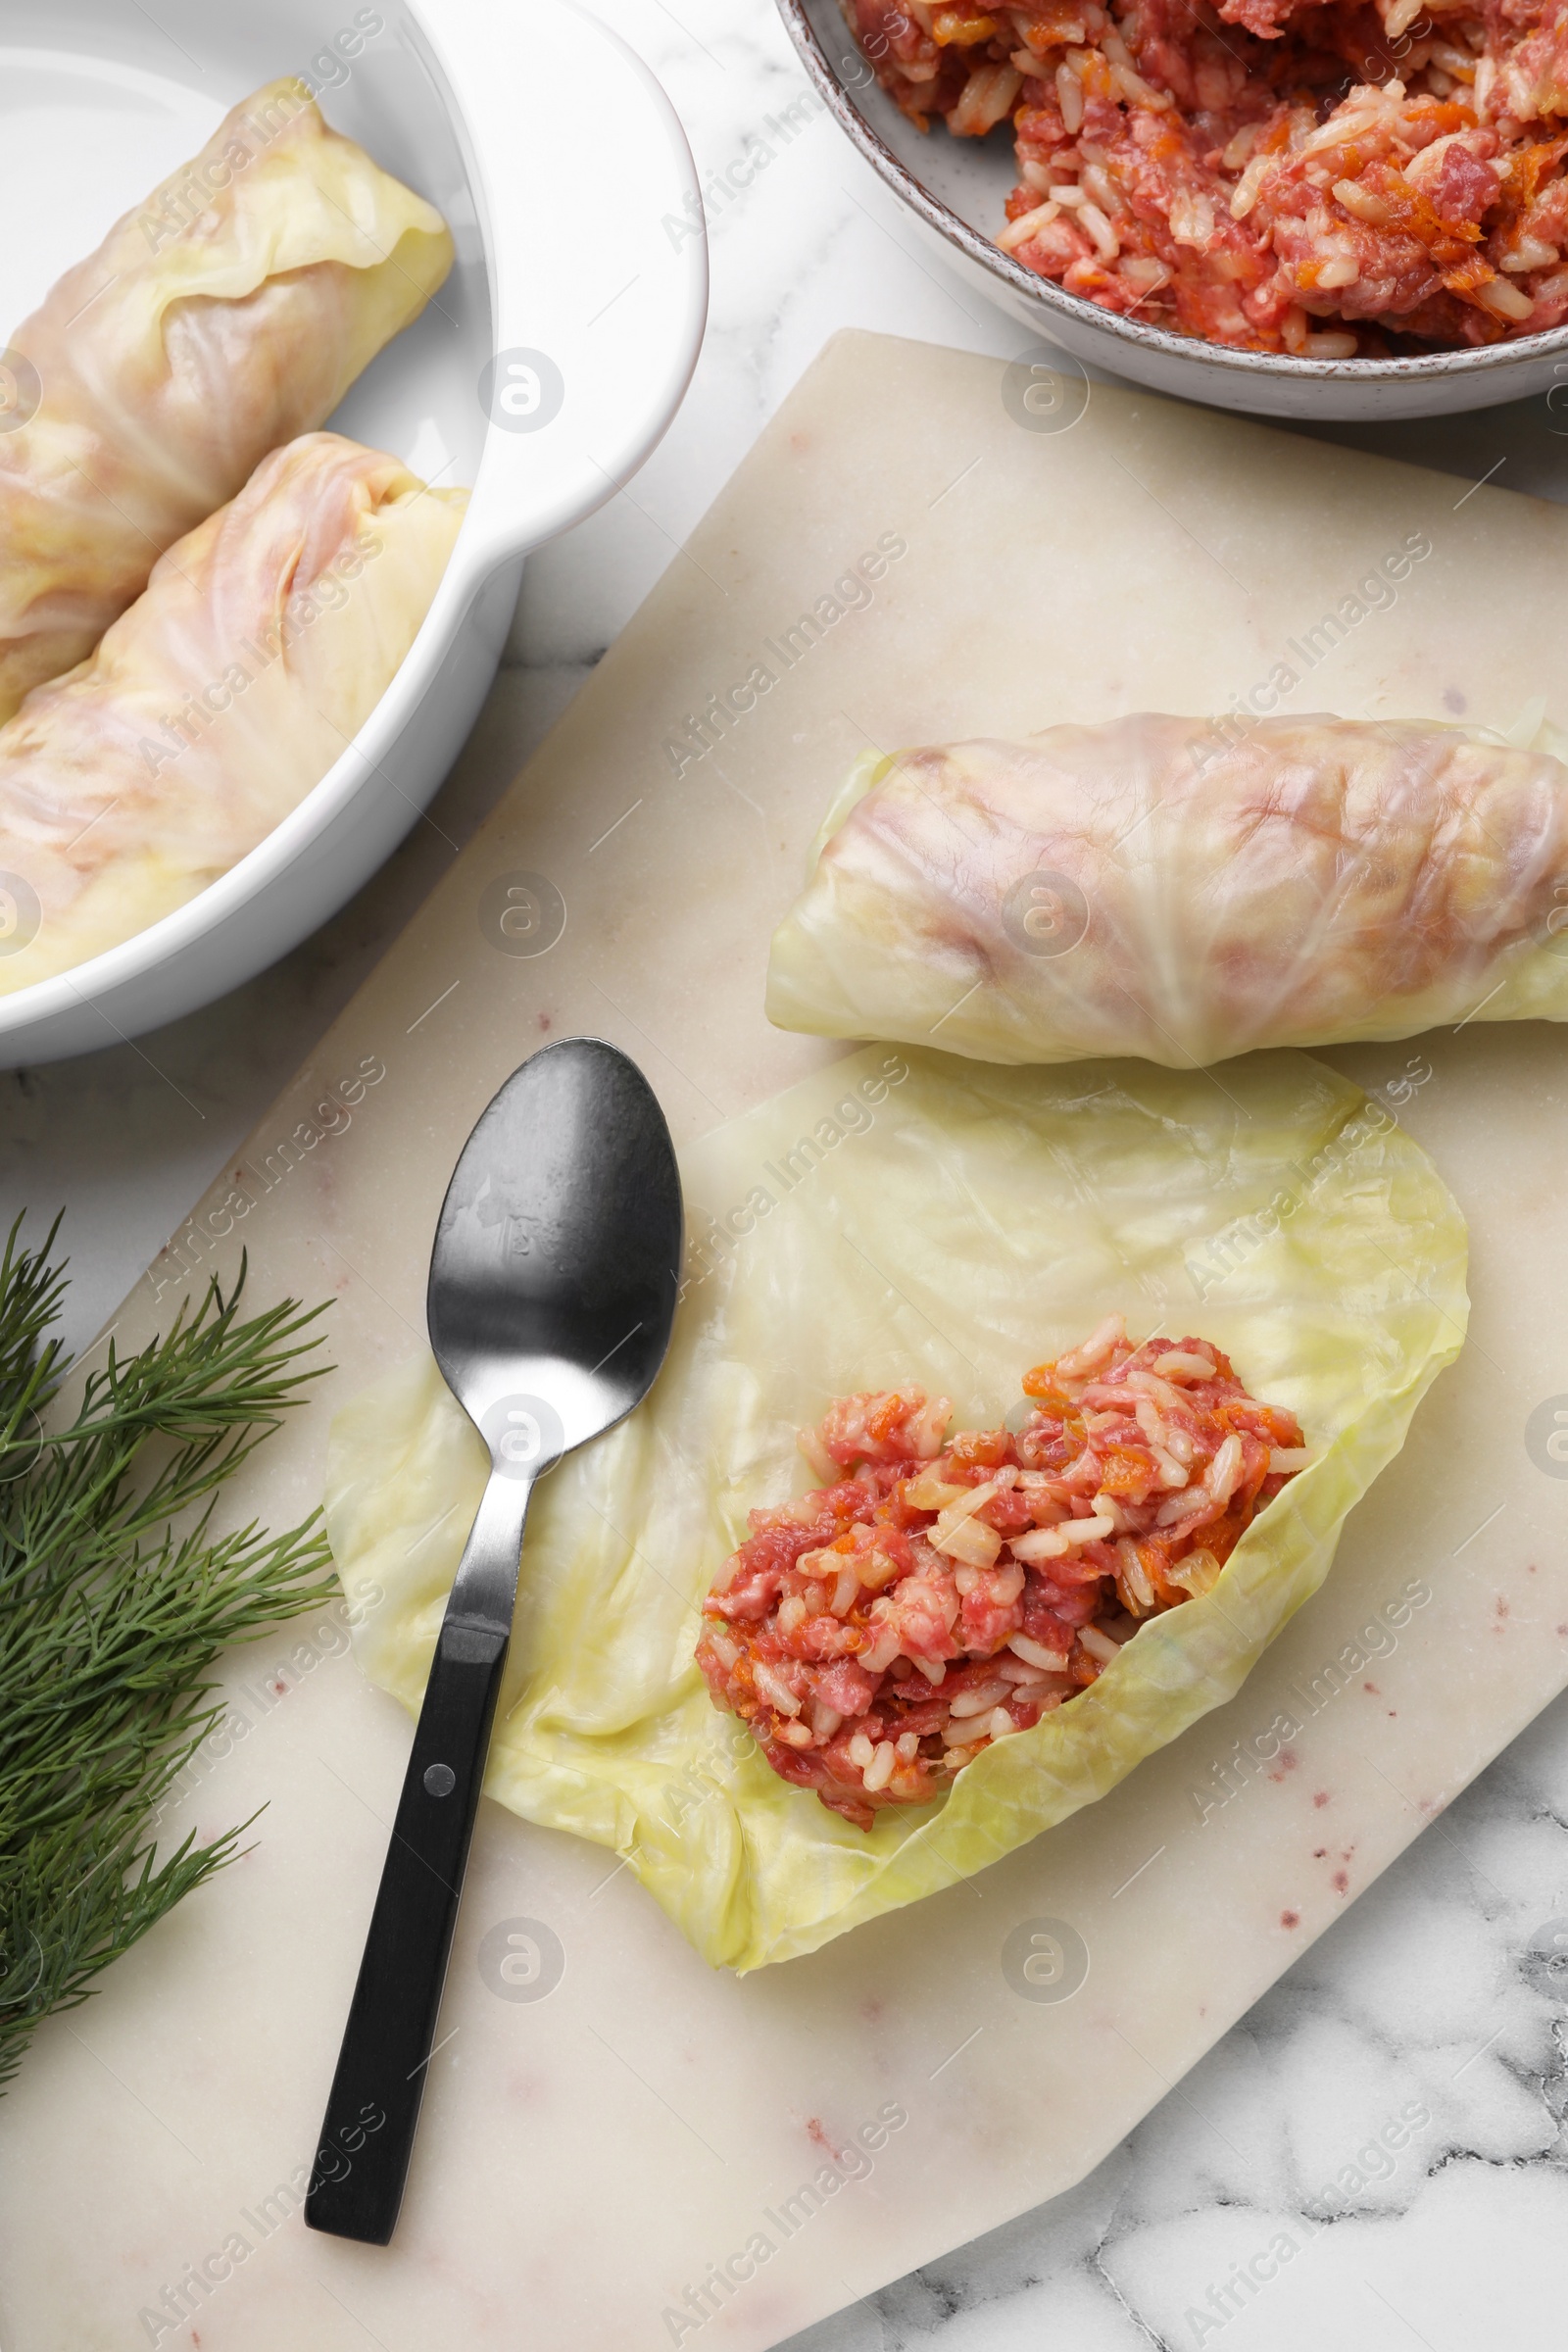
(556,161)
(956,190)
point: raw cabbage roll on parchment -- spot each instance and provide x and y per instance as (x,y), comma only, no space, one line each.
(261,645)
(905,1219)
(225,314)
(1182,890)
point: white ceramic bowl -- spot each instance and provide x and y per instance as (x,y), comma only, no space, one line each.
(556,158)
(955,190)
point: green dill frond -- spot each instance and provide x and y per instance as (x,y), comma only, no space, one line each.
(116,1596)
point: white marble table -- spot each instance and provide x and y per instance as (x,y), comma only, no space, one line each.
(1436,1996)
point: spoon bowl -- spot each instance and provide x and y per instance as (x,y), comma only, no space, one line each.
(553,1261)
(553,1276)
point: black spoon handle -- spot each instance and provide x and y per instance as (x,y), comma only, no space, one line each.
(368,2134)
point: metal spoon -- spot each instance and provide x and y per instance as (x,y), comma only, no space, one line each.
(552,1291)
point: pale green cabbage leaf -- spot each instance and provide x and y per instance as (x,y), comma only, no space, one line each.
(900,1218)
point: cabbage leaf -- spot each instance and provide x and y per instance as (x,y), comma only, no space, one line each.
(905,1217)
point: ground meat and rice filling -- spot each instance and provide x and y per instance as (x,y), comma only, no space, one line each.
(933,1596)
(1315,176)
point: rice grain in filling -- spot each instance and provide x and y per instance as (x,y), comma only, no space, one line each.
(1316,176)
(934,1595)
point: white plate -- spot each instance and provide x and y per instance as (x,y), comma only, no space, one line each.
(555,157)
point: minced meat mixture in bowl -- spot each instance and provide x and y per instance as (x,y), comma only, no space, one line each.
(1319,177)
(936,1593)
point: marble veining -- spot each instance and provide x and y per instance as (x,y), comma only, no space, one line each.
(1261,2205)
(1374,2156)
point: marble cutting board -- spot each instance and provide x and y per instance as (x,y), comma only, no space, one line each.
(620,2149)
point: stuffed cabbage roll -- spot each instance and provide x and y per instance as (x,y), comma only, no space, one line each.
(1151,887)
(229,314)
(263,642)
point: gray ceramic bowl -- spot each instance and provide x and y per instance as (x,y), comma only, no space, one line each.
(955,188)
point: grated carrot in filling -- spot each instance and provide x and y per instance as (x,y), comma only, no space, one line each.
(936,1595)
(1327,177)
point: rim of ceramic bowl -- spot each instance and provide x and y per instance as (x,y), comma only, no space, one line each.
(1051,300)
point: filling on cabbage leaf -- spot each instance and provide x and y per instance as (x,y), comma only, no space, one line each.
(942,1223)
(936,1595)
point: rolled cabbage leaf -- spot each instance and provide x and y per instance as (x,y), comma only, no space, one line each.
(904,1218)
(1162,887)
(262,644)
(227,315)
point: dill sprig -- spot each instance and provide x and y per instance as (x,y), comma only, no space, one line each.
(115,1596)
